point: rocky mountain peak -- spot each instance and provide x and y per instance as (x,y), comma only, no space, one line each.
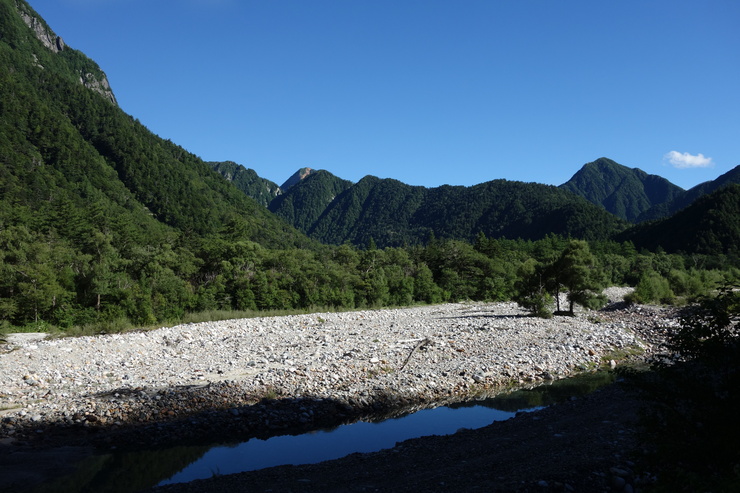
(299,175)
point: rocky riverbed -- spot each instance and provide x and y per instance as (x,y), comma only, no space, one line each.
(251,377)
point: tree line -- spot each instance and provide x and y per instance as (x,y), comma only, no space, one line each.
(49,280)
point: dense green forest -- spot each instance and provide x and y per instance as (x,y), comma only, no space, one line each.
(392,213)
(47,281)
(105,225)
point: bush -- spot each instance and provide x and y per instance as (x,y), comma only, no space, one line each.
(652,288)
(710,327)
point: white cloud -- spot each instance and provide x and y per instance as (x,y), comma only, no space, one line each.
(685,160)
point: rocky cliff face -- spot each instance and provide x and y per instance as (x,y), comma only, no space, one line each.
(95,82)
(296,178)
(99,85)
(43,33)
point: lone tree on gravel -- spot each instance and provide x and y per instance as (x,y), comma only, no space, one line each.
(574,272)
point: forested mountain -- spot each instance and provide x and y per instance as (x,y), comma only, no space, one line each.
(686,198)
(53,125)
(99,217)
(625,192)
(392,213)
(248,181)
(710,225)
(302,205)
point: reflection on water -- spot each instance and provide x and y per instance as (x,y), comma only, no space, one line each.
(546,394)
(319,446)
(134,471)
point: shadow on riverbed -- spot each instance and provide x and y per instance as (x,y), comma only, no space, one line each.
(491,316)
(135,457)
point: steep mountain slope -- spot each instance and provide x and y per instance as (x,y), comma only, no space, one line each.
(302,204)
(51,178)
(685,199)
(59,118)
(372,208)
(102,221)
(625,192)
(392,213)
(247,180)
(709,225)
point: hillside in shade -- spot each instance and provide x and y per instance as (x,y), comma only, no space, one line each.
(686,198)
(710,225)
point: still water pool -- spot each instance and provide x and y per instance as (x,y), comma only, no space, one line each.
(319,446)
(134,471)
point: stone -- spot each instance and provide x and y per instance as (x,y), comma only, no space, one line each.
(618,483)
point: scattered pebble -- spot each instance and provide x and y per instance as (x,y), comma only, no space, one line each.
(362,359)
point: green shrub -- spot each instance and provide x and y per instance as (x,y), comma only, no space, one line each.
(652,288)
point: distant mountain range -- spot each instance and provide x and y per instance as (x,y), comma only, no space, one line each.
(75,165)
(636,196)
(332,210)
(688,197)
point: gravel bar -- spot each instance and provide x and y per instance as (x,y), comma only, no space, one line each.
(318,367)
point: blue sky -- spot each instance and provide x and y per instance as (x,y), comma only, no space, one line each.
(424,91)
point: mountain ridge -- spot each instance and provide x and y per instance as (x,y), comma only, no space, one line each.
(56,128)
(686,198)
(391,213)
(247,180)
(319,204)
(90,74)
